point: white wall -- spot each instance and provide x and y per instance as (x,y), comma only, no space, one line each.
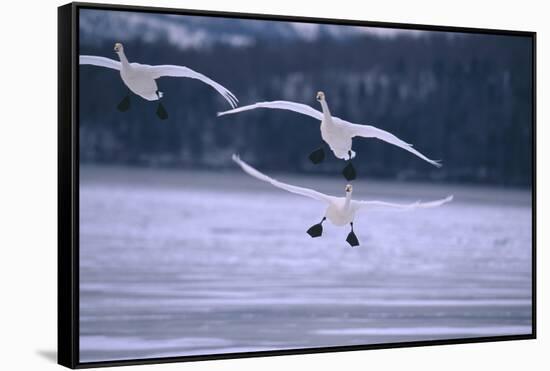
(28,150)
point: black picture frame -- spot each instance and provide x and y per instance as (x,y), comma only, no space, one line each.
(68,185)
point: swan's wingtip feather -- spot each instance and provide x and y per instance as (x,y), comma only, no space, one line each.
(437,163)
(223,113)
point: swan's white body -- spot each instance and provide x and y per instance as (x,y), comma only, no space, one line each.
(340,211)
(141,78)
(337,133)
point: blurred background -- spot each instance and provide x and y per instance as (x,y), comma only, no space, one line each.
(181,253)
(462,98)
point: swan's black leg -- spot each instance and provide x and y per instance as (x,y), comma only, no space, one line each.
(317,156)
(124,104)
(352,238)
(349,171)
(317,229)
(161,112)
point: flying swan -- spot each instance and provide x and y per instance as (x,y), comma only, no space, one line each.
(337,133)
(340,210)
(141,78)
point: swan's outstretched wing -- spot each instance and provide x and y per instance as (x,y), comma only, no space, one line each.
(287,187)
(368,131)
(99,61)
(182,71)
(279,104)
(415,205)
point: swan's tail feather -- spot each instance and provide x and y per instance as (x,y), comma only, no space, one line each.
(344,155)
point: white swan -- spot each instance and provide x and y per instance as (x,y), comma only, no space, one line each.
(340,210)
(337,133)
(140,78)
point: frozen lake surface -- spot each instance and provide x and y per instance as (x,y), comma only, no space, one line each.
(176,263)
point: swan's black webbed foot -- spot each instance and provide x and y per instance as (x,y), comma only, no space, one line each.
(352,238)
(124,104)
(317,229)
(161,112)
(349,171)
(317,156)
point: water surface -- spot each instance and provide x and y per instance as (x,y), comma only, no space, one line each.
(176,263)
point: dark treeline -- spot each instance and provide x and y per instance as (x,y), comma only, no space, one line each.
(464,99)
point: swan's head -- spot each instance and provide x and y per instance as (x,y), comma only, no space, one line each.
(320,96)
(118,48)
(349,188)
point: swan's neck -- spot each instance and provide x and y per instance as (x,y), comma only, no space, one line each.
(123,59)
(348,200)
(327,118)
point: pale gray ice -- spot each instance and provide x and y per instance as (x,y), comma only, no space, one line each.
(176,263)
